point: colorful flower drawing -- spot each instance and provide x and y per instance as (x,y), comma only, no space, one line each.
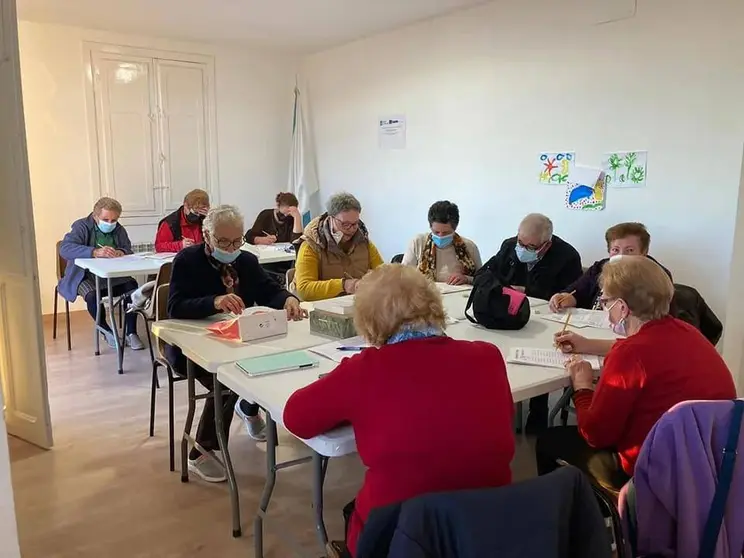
(586,189)
(555,167)
(625,169)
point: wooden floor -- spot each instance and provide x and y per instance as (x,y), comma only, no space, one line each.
(105,489)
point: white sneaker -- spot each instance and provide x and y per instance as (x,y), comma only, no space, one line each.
(109,337)
(255,425)
(134,342)
(207,469)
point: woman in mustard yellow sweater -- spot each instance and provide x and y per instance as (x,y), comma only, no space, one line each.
(335,252)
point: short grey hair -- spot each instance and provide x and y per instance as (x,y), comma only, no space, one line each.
(537,224)
(220,215)
(338,203)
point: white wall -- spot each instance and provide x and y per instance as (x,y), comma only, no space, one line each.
(486,89)
(254,95)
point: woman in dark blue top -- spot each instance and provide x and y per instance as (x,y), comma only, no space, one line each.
(218,277)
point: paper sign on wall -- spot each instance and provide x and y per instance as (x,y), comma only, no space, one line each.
(391,132)
(586,189)
(554,167)
(625,169)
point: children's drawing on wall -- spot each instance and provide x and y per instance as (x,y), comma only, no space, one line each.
(625,169)
(555,167)
(586,189)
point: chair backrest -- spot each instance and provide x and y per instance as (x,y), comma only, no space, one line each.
(687,443)
(61,263)
(161,309)
(397,258)
(689,305)
(291,287)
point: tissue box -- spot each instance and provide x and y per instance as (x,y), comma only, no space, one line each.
(329,324)
(260,322)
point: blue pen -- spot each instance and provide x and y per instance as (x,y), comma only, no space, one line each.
(351,348)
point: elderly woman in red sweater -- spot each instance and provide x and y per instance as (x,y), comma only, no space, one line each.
(393,392)
(660,362)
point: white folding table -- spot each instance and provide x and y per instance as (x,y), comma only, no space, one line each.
(112,268)
(271,253)
(272,392)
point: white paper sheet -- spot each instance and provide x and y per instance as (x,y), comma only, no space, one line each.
(331,350)
(580,318)
(391,132)
(549,358)
(444,288)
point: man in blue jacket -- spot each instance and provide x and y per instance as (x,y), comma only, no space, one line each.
(99,235)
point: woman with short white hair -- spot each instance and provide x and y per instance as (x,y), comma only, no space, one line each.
(212,278)
(336,251)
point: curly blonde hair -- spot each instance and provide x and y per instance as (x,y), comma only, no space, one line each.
(393,296)
(641,283)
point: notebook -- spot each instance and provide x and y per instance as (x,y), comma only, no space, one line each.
(549,358)
(281,362)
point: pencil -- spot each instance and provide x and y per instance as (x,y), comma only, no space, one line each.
(565,324)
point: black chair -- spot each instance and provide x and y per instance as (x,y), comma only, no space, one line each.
(398,258)
(61,267)
(148,314)
(161,313)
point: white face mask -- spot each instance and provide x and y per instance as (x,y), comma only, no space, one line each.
(338,236)
(618,328)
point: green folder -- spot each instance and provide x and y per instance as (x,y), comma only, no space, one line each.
(280,362)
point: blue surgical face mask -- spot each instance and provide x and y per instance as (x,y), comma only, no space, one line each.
(106,227)
(223,256)
(442,241)
(525,255)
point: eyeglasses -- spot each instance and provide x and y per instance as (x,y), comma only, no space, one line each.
(343,225)
(607,303)
(226,243)
(534,247)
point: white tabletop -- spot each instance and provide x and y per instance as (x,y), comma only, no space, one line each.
(209,351)
(270,254)
(134,264)
(272,392)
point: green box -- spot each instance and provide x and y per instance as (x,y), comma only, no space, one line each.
(336,326)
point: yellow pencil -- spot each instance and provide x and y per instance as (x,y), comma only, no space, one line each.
(565,324)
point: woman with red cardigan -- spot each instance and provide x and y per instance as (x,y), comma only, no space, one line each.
(660,362)
(413,398)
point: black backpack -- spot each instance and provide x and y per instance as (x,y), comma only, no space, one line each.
(496,306)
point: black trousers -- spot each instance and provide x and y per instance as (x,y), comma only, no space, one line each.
(206,432)
(567,444)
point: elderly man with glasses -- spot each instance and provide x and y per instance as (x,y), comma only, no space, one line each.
(336,251)
(219,277)
(540,264)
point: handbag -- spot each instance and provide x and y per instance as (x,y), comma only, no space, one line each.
(496,306)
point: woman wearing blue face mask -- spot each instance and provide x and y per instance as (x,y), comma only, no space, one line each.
(442,254)
(99,235)
(218,277)
(659,361)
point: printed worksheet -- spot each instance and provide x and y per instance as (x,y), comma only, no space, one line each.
(580,318)
(549,358)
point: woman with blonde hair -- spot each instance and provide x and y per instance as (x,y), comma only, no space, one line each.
(392,392)
(659,362)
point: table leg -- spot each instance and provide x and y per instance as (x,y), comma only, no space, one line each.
(222,440)
(96,329)
(189,421)
(271,444)
(118,342)
(320,464)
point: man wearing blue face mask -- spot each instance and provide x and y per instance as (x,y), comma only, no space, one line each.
(539,264)
(535,261)
(219,277)
(99,235)
(442,254)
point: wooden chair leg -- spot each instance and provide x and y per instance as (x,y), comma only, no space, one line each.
(153,388)
(54,319)
(67,322)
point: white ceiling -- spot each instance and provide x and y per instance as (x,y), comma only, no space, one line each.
(301,25)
